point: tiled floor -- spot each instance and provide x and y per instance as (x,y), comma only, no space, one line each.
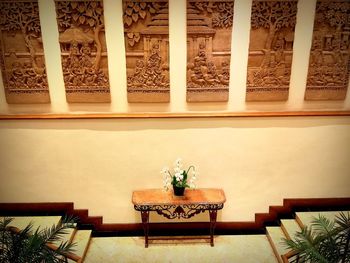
(238,248)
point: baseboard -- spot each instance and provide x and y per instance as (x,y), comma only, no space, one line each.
(289,207)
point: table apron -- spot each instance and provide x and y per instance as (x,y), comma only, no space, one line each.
(179,211)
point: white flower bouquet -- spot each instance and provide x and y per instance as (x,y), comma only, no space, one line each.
(180,177)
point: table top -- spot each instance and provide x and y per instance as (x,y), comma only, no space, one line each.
(191,196)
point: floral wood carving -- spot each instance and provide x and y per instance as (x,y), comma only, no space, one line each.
(270,49)
(83,50)
(328,75)
(209,28)
(146,30)
(22,56)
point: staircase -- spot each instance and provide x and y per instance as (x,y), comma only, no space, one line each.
(288,228)
(80,237)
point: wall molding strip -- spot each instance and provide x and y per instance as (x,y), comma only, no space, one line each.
(173,115)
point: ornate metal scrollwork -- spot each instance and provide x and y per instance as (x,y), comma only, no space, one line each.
(179,211)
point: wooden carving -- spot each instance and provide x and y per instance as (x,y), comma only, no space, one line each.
(22,56)
(83,50)
(146,30)
(328,75)
(209,28)
(270,49)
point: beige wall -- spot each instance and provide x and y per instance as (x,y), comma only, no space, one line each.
(98,163)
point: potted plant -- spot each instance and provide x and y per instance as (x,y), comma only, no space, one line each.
(179,179)
(34,246)
(325,241)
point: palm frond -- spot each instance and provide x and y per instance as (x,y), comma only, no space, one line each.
(322,225)
(5,223)
(327,232)
(66,247)
(54,233)
(343,225)
(306,243)
(343,221)
(31,246)
(324,241)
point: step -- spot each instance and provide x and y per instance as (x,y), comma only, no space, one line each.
(38,221)
(305,218)
(275,235)
(82,241)
(67,237)
(290,227)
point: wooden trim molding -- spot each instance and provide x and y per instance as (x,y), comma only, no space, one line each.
(172,115)
(289,207)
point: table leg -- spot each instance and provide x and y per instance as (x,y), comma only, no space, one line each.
(145,225)
(212,214)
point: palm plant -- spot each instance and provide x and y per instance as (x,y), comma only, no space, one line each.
(17,246)
(325,241)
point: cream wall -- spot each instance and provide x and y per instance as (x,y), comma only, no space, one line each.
(97,163)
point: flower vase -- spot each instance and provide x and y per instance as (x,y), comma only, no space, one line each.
(178,191)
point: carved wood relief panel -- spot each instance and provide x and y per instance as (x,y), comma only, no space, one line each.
(328,75)
(83,50)
(22,55)
(270,49)
(209,29)
(146,31)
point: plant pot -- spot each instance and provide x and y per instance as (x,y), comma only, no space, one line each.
(178,191)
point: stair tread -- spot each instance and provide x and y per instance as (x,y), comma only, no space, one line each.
(291,226)
(68,236)
(276,234)
(305,218)
(38,221)
(82,239)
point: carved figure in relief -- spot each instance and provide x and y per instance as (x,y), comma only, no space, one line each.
(80,25)
(86,55)
(209,27)
(278,19)
(149,73)
(224,77)
(329,58)
(203,72)
(22,74)
(279,49)
(146,31)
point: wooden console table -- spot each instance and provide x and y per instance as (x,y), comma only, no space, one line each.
(193,202)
